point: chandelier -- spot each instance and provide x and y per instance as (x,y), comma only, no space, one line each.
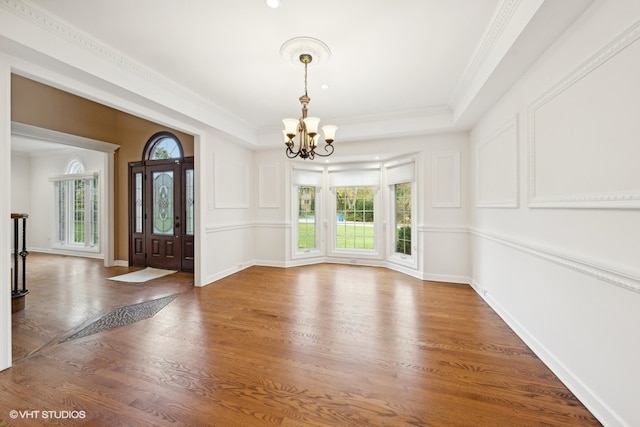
(306,128)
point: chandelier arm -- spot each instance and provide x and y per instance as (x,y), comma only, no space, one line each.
(328,148)
(291,154)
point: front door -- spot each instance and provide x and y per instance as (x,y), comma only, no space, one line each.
(162,214)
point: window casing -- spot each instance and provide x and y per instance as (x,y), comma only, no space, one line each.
(307,234)
(307,219)
(360,219)
(403,219)
(77,209)
(355,218)
(163,146)
(401,234)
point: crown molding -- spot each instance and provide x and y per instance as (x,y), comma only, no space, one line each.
(73,35)
(485,49)
(114,67)
(394,124)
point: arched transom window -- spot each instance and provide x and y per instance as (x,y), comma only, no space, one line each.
(163,146)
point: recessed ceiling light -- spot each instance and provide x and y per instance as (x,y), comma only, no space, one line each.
(324,86)
(273,4)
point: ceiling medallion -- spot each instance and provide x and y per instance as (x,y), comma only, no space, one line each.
(305,50)
(291,50)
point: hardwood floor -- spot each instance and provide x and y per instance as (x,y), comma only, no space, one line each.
(323,345)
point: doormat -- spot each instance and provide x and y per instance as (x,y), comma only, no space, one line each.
(123,316)
(141,276)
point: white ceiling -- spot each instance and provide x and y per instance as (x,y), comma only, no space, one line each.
(436,63)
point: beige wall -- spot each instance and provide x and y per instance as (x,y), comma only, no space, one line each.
(39,105)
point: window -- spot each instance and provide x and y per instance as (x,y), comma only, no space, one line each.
(306,196)
(400,177)
(403,218)
(163,146)
(77,208)
(354,218)
(306,217)
(189,199)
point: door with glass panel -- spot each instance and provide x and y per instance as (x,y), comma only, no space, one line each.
(162,221)
(161,214)
(163,249)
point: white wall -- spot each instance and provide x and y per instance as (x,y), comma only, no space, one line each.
(20,195)
(225,198)
(272,208)
(555,220)
(21,183)
(44,166)
(6,232)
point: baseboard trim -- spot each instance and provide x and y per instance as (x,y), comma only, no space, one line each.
(586,395)
(93,255)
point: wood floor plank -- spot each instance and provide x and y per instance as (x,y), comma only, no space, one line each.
(323,345)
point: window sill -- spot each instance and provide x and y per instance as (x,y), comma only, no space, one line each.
(78,249)
(403,260)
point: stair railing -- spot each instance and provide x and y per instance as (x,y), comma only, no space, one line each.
(18,292)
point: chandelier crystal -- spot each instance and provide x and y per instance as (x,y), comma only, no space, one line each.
(306,128)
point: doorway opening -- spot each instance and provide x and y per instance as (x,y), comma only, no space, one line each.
(161,206)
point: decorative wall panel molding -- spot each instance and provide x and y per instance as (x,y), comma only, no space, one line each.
(590,268)
(268,186)
(583,133)
(497,168)
(231,196)
(445,179)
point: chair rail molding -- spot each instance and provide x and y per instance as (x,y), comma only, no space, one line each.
(628,281)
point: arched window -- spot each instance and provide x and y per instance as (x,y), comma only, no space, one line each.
(77,208)
(163,146)
(75,166)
